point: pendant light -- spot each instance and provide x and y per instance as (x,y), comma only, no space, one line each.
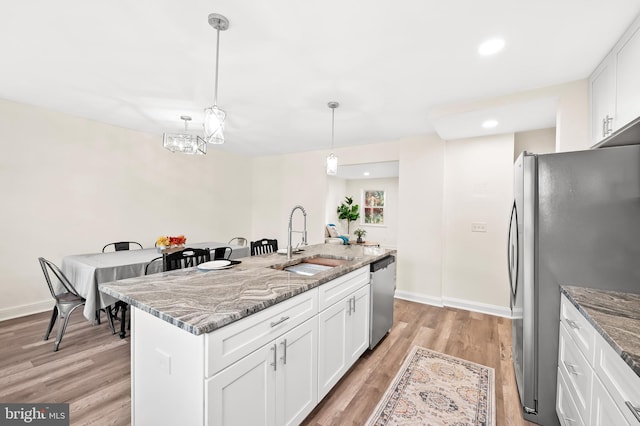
(332,160)
(214,116)
(184,143)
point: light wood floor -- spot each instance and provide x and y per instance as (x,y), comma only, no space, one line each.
(91,369)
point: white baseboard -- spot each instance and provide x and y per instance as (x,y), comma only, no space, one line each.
(467,305)
(483,308)
(24,310)
(419,298)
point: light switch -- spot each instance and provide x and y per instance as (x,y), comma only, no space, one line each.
(478,227)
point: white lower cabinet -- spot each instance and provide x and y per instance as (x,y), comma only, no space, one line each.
(261,370)
(603,409)
(342,337)
(275,385)
(595,386)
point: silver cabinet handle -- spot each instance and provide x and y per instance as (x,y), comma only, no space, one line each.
(349,304)
(609,125)
(274,348)
(280,321)
(572,324)
(604,127)
(354,303)
(284,352)
(635,410)
(571,368)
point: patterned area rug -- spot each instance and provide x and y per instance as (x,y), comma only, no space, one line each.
(437,389)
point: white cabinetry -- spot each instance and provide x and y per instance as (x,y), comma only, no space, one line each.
(627,57)
(343,331)
(615,87)
(595,386)
(276,384)
(260,370)
(603,101)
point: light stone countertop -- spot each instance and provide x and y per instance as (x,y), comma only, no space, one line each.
(616,317)
(202,301)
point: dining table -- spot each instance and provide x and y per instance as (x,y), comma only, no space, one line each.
(87,271)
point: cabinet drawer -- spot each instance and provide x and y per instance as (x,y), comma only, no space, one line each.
(582,333)
(576,370)
(566,409)
(622,383)
(228,344)
(336,290)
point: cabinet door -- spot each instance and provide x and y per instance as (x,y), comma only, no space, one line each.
(358,337)
(603,100)
(332,346)
(627,81)
(296,377)
(244,393)
(604,411)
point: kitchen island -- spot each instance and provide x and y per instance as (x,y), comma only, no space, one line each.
(253,344)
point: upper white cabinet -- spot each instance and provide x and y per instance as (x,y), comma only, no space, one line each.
(627,81)
(615,87)
(603,101)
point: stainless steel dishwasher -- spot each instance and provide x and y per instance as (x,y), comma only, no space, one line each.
(383,286)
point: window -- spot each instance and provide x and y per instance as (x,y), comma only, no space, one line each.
(373,207)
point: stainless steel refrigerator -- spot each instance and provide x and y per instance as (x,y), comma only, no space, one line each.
(575,221)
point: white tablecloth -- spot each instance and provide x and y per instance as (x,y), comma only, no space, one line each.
(86,271)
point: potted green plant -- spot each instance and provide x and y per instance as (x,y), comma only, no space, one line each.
(348,211)
(360,233)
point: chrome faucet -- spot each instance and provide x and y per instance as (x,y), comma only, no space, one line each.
(290,231)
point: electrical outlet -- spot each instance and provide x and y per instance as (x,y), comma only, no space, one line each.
(164,361)
(478,227)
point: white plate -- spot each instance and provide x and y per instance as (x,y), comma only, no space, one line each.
(214,264)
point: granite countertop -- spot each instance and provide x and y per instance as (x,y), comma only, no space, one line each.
(202,301)
(615,315)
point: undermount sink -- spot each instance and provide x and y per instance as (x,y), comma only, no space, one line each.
(311,266)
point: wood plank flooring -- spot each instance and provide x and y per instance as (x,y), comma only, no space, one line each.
(91,371)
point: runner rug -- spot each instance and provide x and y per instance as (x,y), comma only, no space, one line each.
(437,389)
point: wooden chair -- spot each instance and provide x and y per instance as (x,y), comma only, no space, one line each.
(122,245)
(263,246)
(66,299)
(186,258)
(222,253)
(239,241)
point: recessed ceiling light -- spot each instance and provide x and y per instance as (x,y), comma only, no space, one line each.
(489,124)
(366,173)
(491,46)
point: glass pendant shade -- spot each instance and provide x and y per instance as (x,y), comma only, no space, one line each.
(184,143)
(332,164)
(214,125)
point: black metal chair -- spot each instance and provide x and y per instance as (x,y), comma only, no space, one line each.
(186,258)
(153,266)
(122,245)
(239,241)
(263,246)
(66,297)
(222,253)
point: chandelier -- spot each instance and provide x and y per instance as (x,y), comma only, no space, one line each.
(184,143)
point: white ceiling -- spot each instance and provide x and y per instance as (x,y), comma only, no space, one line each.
(141,64)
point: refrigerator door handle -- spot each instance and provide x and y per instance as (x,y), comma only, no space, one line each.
(513,255)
